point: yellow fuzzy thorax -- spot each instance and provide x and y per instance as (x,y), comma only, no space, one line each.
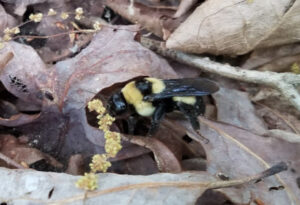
(157,85)
(191,100)
(134,97)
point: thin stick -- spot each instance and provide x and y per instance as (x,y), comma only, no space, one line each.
(11,162)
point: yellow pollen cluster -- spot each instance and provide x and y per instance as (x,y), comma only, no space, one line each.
(52,12)
(88,181)
(105,122)
(112,146)
(295,68)
(64,15)
(97,26)
(36,17)
(79,13)
(97,106)
(113,143)
(99,163)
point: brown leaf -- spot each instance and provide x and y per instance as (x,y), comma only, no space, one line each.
(75,165)
(235,108)
(25,74)
(244,153)
(234,28)
(119,188)
(164,157)
(266,56)
(22,153)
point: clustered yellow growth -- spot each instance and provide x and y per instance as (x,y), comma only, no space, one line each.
(88,181)
(295,68)
(79,13)
(112,147)
(99,162)
(36,17)
(10,32)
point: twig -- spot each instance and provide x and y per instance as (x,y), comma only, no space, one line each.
(284,82)
(11,162)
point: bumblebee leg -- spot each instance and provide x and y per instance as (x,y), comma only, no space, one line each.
(191,113)
(131,123)
(157,116)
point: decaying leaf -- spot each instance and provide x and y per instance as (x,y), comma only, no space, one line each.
(22,153)
(244,153)
(235,108)
(40,188)
(237,27)
(261,57)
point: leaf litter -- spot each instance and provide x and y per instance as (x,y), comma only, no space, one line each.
(45,90)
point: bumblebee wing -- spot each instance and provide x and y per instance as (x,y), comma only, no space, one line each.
(184,87)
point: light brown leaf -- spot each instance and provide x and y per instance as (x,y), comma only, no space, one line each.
(235,108)
(234,152)
(237,27)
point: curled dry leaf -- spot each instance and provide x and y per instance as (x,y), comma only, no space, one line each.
(165,158)
(237,27)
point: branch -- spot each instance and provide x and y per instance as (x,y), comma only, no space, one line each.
(283,82)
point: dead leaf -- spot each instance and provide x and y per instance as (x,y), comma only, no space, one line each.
(264,56)
(22,153)
(235,108)
(25,74)
(244,153)
(237,27)
(113,188)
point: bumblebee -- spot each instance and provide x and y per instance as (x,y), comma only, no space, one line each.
(152,97)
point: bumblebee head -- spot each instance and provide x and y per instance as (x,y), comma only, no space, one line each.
(116,104)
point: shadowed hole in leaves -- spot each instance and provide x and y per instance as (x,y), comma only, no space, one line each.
(50,193)
(211,197)
(223,177)
(30,29)
(276,188)
(43,165)
(298,182)
(187,139)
